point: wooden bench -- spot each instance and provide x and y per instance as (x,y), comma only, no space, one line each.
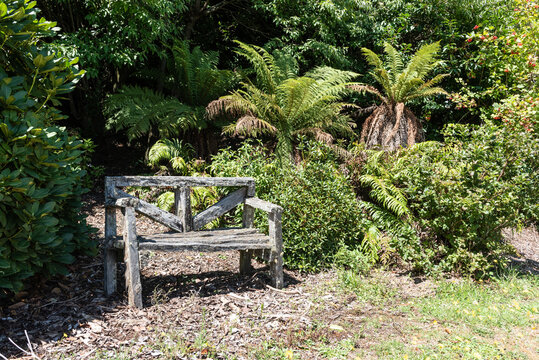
(187,234)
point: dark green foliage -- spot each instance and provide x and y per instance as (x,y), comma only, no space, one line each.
(321,213)
(191,81)
(40,164)
(463,193)
(119,33)
(41,226)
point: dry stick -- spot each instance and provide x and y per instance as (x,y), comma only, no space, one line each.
(31,353)
(61,302)
(250,279)
(293,292)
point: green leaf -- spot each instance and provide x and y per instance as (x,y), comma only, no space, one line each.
(65,258)
(3,9)
(4,264)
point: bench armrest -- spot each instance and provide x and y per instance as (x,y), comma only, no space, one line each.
(263,205)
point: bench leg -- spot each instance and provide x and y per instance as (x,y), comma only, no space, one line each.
(276,268)
(132,262)
(276,255)
(109,256)
(110,271)
(245,262)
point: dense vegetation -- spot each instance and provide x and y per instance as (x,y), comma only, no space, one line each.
(41,166)
(187,81)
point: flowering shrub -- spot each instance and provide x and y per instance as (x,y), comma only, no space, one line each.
(504,57)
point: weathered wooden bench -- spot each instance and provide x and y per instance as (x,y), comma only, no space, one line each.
(187,234)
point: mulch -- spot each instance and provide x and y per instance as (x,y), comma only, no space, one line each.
(200,297)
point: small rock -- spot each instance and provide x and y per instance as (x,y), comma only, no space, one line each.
(56,291)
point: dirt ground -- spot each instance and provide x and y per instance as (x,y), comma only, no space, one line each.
(202,299)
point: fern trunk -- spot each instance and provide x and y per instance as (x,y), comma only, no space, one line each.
(392,127)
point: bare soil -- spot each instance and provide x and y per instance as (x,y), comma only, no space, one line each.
(214,312)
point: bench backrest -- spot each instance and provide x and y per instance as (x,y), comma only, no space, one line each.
(183,219)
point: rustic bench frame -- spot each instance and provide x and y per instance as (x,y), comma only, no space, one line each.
(183,223)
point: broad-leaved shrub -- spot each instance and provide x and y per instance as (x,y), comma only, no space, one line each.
(321,213)
(41,166)
(463,192)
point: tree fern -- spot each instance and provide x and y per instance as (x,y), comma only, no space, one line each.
(392,125)
(284,105)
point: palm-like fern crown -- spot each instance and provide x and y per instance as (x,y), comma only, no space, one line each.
(270,69)
(401,84)
(282,104)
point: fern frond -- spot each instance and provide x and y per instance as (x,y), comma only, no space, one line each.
(262,62)
(426,93)
(251,125)
(379,73)
(165,201)
(137,110)
(394,61)
(386,194)
(173,152)
(360,88)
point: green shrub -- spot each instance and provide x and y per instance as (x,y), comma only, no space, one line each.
(41,166)
(461,195)
(321,213)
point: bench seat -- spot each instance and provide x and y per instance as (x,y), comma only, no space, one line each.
(209,240)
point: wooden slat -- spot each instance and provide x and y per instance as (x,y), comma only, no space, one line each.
(210,234)
(220,240)
(248,222)
(222,207)
(179,181)
(131,257)
(262,204)
(249,211)
(155,213)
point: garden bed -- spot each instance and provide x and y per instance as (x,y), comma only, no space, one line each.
(198,306)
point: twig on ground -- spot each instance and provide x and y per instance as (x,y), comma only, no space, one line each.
(31,353)
(292,292)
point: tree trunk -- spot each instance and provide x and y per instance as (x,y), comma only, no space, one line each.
(391,128)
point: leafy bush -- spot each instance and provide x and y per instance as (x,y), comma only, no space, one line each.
(461,195)
(321,213)
(41,167)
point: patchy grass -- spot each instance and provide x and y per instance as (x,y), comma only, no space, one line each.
(381,315)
